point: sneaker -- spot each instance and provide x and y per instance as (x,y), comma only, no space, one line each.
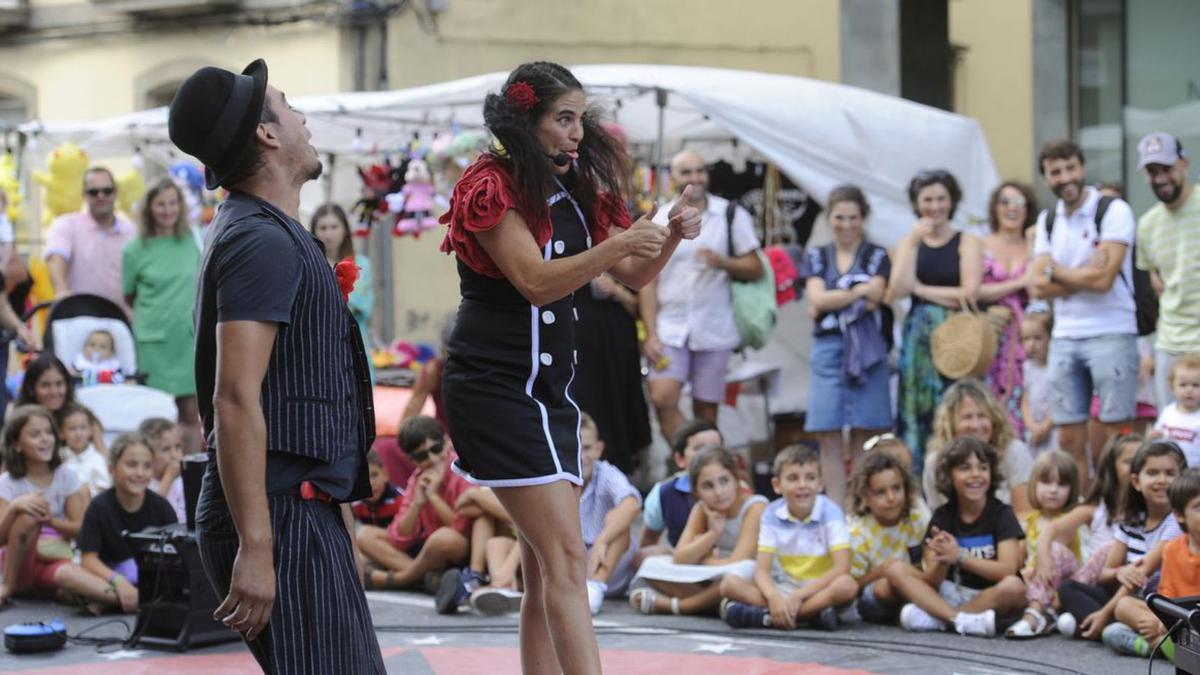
(982,624)
(917,620)
(741,615)
(496,601)
(1066,624)
(1124,640)
(451,592)
(826,620)
(595,592)
(848,615)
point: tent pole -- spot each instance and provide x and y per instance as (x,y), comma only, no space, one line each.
(660,98)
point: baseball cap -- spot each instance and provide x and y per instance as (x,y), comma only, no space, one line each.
(1159,147)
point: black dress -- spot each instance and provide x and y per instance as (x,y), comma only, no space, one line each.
(507,384)
(609,380)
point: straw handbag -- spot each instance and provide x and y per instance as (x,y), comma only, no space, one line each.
(965,344)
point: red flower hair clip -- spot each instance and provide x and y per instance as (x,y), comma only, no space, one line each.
(347,273)
(520,95)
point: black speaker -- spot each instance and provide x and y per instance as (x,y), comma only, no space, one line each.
(175,599)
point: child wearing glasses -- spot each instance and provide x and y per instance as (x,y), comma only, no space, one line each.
(426,536)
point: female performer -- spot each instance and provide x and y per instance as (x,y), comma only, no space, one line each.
(533,222)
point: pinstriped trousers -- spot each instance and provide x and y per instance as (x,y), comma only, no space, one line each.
(320,622)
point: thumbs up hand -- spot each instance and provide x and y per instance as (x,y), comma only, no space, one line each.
(645,237)
(684,220)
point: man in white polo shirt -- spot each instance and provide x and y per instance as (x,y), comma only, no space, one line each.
(688,310)
(1088,271)
(1168,247)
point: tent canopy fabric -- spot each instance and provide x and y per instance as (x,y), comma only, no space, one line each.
(820,134)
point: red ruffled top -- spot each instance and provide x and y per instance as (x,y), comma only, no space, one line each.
(486,192)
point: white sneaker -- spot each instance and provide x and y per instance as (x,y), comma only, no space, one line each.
(595,591)
(915,619)
(982,624)
(1066,624)
(496,601)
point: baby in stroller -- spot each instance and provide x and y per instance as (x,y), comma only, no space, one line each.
(97,362)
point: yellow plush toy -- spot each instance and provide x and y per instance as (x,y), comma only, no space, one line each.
(130,188)
(11,186)
(62,181)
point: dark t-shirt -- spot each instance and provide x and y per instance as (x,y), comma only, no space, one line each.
(255,270)
(105,520)
(982,538)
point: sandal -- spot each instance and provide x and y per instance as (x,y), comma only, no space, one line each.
(645,600)
(1024,629)
(369,581)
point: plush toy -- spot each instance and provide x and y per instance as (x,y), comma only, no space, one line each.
(130,188)
(414,202)
(63,181)
(11,186)
(379,181)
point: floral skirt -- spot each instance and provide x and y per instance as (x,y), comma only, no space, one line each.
(921,385)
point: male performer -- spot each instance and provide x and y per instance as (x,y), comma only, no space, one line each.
(283,389)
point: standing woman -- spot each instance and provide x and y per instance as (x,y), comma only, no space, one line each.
(329,224)
(938,266)
(531,225)
(1011,212)
(158,272)
(845,283)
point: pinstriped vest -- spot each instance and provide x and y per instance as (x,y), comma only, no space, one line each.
(316,393)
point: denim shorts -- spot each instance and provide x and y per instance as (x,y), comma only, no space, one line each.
(1106,364)
(835,402)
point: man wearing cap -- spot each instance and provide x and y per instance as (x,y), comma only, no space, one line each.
(1168,237)
(283,389)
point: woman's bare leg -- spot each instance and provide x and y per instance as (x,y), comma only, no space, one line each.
(554,563)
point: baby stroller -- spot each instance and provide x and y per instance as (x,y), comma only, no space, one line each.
(120,407)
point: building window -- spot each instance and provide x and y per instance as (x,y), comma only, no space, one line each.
(1097,72)
(13,111)
(162,95)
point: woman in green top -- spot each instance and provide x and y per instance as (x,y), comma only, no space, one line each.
(329,224)
(158,274)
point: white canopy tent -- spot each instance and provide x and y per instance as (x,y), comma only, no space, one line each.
(819,134)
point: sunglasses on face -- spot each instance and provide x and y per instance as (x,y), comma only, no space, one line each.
(96,192)
(1013,202)
(422,455)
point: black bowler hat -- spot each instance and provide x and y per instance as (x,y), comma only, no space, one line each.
(214,115)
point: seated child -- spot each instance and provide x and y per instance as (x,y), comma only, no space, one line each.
(494,560)
(1053,493)
(98,361)
(1135,555)
(41,509)
(78,452)
(378,509)
(803,563)
(1140,628)
(972,550)
(1180,421)
(166,441)
(128,506)
(720,538)
(887,526)
(608,506)
(669,502)
(425,536)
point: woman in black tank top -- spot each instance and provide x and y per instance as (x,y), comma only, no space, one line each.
(937,266)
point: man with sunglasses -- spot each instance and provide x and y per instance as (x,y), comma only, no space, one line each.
(83,250)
